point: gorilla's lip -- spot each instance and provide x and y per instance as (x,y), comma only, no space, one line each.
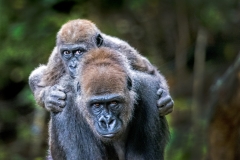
(109,135)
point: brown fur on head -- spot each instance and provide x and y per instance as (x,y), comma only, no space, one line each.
(104,68)
(77,31)
(105,71)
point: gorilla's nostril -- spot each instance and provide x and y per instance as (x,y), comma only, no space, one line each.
(110,122)
(73,66)
(103,123)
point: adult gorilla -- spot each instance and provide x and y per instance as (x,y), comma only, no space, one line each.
(105,122)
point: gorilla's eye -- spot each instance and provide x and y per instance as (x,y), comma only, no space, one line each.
(79,51)
(96,105)
(113,103)
(66,52)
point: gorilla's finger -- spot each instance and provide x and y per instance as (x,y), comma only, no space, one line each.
(165,109)
(163,101)
(58,94)
(160,91)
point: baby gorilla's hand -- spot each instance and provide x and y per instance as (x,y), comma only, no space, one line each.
(165,102)
(55,99)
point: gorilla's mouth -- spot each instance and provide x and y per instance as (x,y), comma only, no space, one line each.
(109,131)
(111,135)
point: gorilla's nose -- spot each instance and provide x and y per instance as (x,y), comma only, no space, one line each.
(73,65)
(107,122)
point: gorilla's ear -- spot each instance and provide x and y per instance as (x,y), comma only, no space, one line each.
(78,88)
(99,40)
(129,83)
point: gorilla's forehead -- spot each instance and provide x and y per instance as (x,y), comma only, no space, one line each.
(77,30)
(103,71)
(75,46)
(104,79)
(106,98)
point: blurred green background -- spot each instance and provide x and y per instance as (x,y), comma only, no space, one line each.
(194,43)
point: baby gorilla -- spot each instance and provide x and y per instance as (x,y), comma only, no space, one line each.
(105,122)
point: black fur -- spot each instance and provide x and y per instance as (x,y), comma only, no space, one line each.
(72,139)
(149,132)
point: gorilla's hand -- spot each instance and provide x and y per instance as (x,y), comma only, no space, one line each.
(54,98)
(165,102)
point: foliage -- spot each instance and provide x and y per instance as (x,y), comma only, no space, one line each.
(28,29)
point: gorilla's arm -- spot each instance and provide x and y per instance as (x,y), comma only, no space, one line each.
(34,83)
(140,63)
(146,87)
(49,97)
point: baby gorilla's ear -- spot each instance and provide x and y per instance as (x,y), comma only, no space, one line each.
(99,40)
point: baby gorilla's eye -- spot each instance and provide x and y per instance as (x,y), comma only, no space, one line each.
(66,52)
(79,52)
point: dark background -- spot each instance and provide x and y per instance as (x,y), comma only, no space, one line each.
(194,43)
